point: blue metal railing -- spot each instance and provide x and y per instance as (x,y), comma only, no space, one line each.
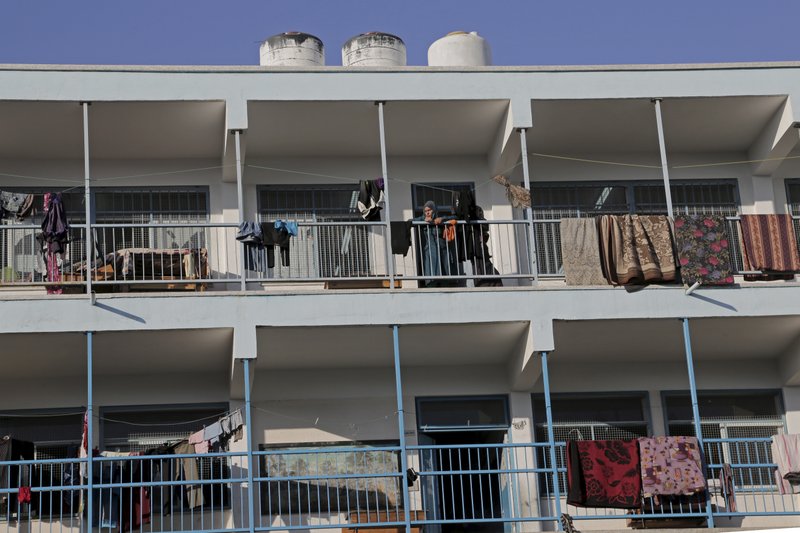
(352,487)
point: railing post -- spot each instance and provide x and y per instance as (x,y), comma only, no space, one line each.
(663,149)
(698,429)
(240,203)
(551,439)
(251,507)
(89,432)
(87,199)
(387,196)
(529,210)
(401,426)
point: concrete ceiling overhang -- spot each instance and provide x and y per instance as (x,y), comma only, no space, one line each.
(648,340)
(37,355)
(371,346)
(691,125)
(117,130)
(332,129)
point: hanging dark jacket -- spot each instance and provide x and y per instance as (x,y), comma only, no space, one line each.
(55,228)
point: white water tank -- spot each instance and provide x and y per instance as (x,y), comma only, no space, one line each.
(374,49)
(460,49)
(292,49)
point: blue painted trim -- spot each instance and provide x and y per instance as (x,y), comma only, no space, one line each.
(401,426)
(551,440)
(250,461)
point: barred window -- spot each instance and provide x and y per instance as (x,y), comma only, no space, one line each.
(591,416)
(319,251)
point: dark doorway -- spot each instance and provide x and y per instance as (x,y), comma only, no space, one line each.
(464,496)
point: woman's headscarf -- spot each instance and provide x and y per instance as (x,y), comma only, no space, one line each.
(432,206)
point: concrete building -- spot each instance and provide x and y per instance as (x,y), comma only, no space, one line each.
(491,380)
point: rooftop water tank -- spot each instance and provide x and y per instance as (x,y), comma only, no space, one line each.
(374,49)
(460,49)
(292,49)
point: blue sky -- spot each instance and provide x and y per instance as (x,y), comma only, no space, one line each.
(532,32)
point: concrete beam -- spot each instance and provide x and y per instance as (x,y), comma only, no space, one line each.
(235,119)
(505,151)
(789,364)
(524,367)
(776,141)
(238,377)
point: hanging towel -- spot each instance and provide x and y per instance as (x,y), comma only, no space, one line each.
(197,440)
(671,466)
(786,454)
(770,243)
(580,252)
(703,248)
(603,473)
(636,249)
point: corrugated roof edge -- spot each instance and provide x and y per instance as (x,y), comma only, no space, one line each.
(339,69)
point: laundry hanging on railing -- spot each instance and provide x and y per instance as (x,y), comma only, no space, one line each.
(770,244)
(636,249)
(371,199)
(16,205)
(580,252)
(265,236)
(703,246)
(214,436)
(671,466)
(786,454)
(604,473)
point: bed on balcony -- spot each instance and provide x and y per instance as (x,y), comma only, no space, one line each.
(182,268)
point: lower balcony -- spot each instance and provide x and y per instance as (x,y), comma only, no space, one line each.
(486,487)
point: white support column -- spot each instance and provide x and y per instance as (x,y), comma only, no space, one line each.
(663,149)
(240,200)
(87,199)
(529,210)
(387,209)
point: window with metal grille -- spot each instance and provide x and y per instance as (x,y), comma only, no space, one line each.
(731,415)
(589,416)
(55,434)
(555,200)
(133,205)
(138,429)
(319,251)
(439,193)
(793,199)
(333,481)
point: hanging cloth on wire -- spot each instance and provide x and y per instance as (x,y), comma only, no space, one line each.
(16,204)
(520,197)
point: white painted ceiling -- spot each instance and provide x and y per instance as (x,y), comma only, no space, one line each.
(662,340)
(371,346)
(351,128)
(728,124)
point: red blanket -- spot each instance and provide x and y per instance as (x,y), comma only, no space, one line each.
(604,473)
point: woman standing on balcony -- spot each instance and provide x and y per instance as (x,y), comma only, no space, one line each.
(432,245)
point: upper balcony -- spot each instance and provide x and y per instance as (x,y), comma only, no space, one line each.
(166,201)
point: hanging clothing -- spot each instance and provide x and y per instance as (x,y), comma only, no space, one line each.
(636,249)
(370,199)
(671,466)
(464,205)
(727,487)
(275,237)
(786,454)
(251,236)
(14,204)
(198,441)
(188,471)
(290,227)
(770,243)
(231,423)
(520,197)
(580,252)
(54,238)
(603,473)
(703,246)
(401,237)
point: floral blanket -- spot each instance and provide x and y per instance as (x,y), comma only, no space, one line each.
(604,473)
(704,251)
(671,466)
